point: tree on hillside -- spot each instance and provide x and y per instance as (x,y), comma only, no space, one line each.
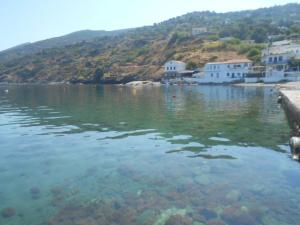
(259,35)
(191,65)
(99,72)
(254,54)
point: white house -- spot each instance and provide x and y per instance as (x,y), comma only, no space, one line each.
(224,39)
(276,58)
(173,69)
(199,30)
(280,52)
(225,72)
(174,66)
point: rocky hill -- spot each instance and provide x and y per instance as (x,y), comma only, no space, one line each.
(117,56)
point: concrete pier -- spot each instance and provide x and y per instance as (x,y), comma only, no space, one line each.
(290,100)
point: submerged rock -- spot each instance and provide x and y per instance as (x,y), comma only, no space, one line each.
(198,223)
(208,214)
(234,196)
(129,172)
(178,220)
(8,212)
(165,215)
(235,215)
(216,222)
(35,192)
(56,190)
(104,213)
(202,180)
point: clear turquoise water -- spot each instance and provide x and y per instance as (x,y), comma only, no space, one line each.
(118,155)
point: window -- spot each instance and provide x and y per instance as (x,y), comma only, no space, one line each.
(280,59)
(228,74)
(270,59)
(214,67)
(174,68)
(239,75)
(275,59)
(212,75)
(279,68)
(232,75)
(217,75)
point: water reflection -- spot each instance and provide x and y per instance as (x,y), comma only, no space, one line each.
(201,112)
(118,155)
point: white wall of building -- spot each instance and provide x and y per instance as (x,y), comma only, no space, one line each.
(199,30)
(280,54)
(226,71)
(276,59)
(174,66)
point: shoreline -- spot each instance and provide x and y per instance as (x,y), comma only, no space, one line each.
(280,86)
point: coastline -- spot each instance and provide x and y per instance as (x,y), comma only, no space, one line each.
(280,86)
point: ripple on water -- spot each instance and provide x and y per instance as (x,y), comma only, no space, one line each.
(97,155)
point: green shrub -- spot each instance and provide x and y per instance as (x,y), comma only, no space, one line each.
(213,46)
(213,58)
(177,38)
(191,65)
(213,37)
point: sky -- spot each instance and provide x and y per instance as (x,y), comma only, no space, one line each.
(24,21)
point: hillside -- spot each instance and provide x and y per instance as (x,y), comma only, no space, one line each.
(69,39)
(100,56)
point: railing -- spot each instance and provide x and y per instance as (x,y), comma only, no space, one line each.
(293,69)
(255,75)
(277,63)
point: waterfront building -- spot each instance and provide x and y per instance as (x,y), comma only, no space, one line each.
(276,59)
(173,68)
(173,71)
(224,72)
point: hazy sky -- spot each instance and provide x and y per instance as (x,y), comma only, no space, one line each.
(32,20)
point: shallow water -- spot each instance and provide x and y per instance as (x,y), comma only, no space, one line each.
(119,155)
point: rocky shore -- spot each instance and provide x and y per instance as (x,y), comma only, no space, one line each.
(142,83)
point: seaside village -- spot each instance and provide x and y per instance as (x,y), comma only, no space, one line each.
(276,66)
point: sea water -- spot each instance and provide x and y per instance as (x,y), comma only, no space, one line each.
(193,155)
